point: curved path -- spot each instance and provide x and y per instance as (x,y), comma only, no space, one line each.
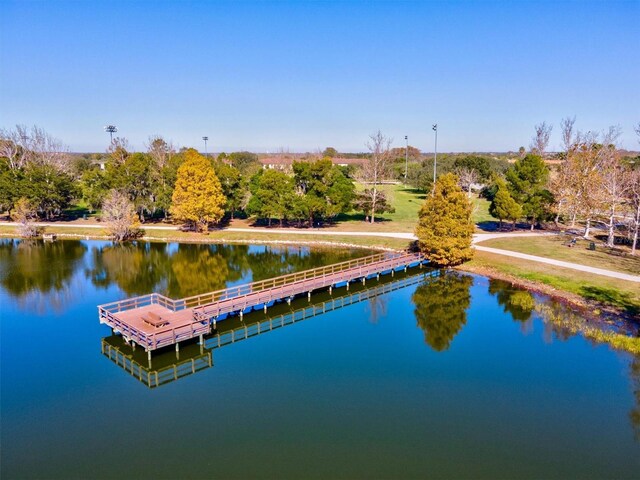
(478,237)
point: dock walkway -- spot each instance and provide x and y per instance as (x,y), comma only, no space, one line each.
(154,321)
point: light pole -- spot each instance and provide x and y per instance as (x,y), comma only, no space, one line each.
(435,154)
(205,145)
(111,129)
(406,158)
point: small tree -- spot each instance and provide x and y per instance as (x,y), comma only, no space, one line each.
(119,215)
(197,198)
(468,176)
(375,168)
(363,202)
(503,206)
(528,179)
(24,213)
(445,228)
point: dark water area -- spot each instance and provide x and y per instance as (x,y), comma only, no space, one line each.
(433,374)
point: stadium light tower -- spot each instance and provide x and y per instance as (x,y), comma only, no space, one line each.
(205,145)
(406,157)
(435,153)
(110,129)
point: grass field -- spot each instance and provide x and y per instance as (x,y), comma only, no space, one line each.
(554,246)
(608,291)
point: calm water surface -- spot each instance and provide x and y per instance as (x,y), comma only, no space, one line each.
(444,375)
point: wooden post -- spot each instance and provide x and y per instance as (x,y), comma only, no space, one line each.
(364,279)
(241,315)
(330,289)
(347,285)
(149,358)
(265,308)
(309,295)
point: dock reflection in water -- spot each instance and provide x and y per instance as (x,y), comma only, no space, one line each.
(168,365)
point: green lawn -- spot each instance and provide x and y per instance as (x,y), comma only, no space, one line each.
(481,210)
(609,291)
(406,201)
(554,246)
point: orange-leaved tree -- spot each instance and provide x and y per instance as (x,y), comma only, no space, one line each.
(197,198)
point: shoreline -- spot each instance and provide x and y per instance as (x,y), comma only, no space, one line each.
(590,309)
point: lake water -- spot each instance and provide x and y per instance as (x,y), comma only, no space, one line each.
(429,374)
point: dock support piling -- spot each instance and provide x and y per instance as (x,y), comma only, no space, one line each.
(241,315)
(309,295)
(347,285)
(330,289)
(265,308)
(364,279)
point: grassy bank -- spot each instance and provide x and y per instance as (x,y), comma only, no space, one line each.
(222,236)
(577,287)
(555,246)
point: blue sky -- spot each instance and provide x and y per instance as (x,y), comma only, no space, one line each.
(305,75)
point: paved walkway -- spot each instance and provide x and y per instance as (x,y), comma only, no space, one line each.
(560,263)
(478,237)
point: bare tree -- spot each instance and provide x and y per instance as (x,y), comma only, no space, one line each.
(119,150)
(634,203)
(615,180)
(10,148)
(119,214)
(568,133)
(634,199)
(375,168)
(160,150)
(24,145)
(47,150)
(540,140)
(467,177)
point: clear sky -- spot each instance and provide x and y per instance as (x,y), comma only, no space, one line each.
(306,75)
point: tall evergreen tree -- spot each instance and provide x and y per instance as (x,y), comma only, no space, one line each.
(528,185)
(197,198)
(445,228)
(503,206)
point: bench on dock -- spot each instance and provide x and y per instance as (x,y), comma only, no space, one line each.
(154,320)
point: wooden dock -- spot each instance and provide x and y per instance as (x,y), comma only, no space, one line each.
(168,366)
(154,321)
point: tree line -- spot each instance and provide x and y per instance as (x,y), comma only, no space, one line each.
(594,182)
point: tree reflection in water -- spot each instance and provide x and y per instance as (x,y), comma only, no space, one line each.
(180,270)
(40,273)
(441,307)
(517,302)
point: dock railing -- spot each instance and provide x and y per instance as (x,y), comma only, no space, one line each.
(241,290)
